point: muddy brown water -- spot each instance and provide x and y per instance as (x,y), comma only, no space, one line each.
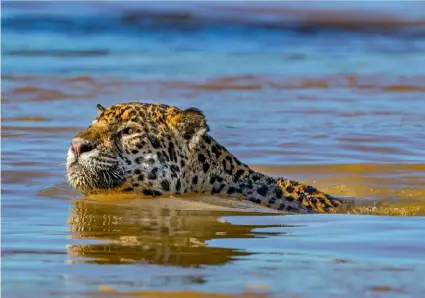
(334,104)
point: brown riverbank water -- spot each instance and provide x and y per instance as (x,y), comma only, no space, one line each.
(326,95)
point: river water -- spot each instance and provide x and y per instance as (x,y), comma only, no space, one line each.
(331,94)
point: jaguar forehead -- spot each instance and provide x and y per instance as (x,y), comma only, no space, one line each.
(96,133)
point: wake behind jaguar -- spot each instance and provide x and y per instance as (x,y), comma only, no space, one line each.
(157,150)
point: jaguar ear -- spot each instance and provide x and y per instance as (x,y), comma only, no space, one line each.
(190,124)
(100,110)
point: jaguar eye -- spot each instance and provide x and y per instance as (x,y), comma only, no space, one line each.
(129,131)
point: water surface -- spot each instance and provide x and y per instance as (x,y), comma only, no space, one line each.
(329,94)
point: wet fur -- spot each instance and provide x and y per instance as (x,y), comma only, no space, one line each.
(158,149)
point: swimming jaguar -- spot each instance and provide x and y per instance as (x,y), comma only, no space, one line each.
(157,150)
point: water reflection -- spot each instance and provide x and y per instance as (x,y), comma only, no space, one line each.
(153,234)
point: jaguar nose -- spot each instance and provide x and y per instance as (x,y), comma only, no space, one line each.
(80,145)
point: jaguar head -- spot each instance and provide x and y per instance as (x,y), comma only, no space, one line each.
(135,147)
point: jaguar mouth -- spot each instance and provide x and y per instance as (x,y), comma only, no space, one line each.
(89,174)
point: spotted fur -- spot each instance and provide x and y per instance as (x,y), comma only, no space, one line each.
(158,149)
